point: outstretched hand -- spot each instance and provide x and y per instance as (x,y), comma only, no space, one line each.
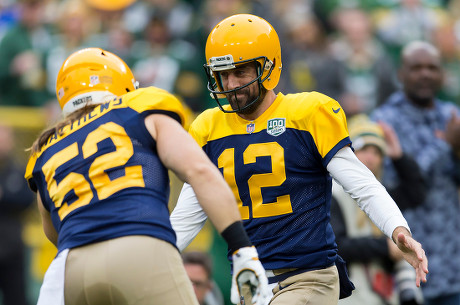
(413,253)
(249,278)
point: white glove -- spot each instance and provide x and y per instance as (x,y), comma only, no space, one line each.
(248,272)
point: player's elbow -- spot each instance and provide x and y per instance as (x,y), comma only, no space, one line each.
(200,171)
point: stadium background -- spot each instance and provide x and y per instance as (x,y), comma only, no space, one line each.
(164,43)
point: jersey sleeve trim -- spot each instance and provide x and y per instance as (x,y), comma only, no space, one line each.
(342,143)
(29,172)
(171,114)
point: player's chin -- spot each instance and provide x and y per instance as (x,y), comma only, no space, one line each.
(236,103)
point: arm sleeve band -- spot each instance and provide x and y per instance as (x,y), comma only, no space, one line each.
(236,237)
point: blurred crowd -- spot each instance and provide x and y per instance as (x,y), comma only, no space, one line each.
(347,49)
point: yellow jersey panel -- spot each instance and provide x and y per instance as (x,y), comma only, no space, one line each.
(313,112)
(276,167)
(153,98)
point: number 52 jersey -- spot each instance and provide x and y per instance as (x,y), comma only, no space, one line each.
(276,168)
(101,177)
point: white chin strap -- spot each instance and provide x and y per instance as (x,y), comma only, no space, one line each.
(87,98)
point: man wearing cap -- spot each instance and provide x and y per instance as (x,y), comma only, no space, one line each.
(372,256)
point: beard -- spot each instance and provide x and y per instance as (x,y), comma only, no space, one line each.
(421,101)
(250,102)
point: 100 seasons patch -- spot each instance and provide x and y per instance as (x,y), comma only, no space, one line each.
(277,126)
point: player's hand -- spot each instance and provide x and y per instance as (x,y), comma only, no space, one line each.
(249,276)
(414,254)
(393,251)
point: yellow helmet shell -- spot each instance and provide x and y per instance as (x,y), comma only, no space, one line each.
(110,5)
(246,37)
(88,75)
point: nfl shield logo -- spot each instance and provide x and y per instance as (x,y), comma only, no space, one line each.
(277,126)
(250,128)
(94,79)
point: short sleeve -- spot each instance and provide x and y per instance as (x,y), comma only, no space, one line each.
(153,99)
(328,127)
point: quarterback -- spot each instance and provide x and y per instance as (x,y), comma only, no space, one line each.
(279,154)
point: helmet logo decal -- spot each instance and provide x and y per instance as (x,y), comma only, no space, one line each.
(277,126)
(84,99)
(250,127)
(94,79)
(61,93)
(220,63)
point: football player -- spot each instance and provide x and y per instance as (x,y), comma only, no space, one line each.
(101,177)
(279,154)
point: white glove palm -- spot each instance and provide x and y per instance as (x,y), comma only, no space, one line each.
(249,273)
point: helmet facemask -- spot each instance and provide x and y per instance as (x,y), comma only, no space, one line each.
(223,63)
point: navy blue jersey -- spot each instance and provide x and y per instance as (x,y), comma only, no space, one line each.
(276,167)
(102,178)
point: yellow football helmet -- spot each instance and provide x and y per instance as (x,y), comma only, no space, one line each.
(89,75)
(240,39)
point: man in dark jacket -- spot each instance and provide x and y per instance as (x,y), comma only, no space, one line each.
(15,197)
(429,131)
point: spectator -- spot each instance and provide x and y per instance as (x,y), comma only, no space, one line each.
(309,63)
(446,39)
(157,67)
(198,266)
(75,24)
(409,20)
(370,76)
(370,255)
(22,73)
(14,199)
(8,16)
(429,131)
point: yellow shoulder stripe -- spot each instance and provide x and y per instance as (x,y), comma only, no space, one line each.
(153,98)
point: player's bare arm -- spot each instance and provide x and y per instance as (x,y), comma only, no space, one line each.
(178,151)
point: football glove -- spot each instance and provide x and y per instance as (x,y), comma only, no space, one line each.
(249,279)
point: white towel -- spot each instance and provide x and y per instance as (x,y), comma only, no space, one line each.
(52,290)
